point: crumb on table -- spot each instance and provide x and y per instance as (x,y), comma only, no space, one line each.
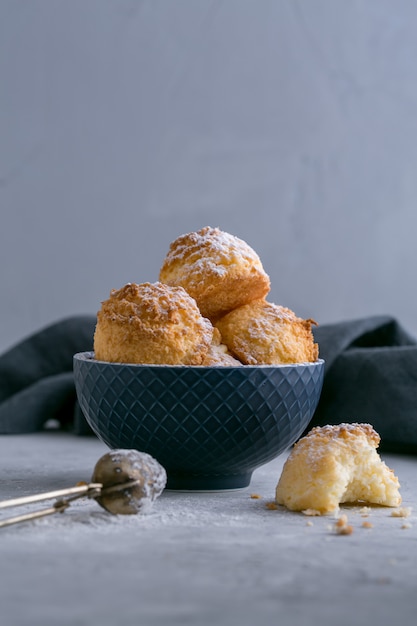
(367,524)
(271,506)
(364,511)
(342,527)
(311,512)
(403,511)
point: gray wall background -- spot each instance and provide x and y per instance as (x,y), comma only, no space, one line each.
(289,123)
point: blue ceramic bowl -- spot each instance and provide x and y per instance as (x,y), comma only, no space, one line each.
(210,427)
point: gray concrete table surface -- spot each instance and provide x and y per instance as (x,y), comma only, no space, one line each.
(196,558)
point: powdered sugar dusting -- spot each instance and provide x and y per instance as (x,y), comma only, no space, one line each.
(211,251)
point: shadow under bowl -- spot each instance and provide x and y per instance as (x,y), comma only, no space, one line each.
(210,427)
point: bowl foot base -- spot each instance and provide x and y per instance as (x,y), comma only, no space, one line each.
(203,482)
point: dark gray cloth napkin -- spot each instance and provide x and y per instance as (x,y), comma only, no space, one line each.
(36,378)
(370,376)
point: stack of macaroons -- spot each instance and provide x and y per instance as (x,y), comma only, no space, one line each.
(208,308)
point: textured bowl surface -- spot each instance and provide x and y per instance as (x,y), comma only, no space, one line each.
(210,427)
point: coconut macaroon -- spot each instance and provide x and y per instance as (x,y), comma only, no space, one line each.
(263,333)
(151,323)
(338,464)
(219,270)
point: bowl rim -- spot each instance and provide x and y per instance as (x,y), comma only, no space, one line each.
(88,357)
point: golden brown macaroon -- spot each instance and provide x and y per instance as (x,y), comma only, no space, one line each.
(263,333)
(151,323)
(336,464)
(219,270)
